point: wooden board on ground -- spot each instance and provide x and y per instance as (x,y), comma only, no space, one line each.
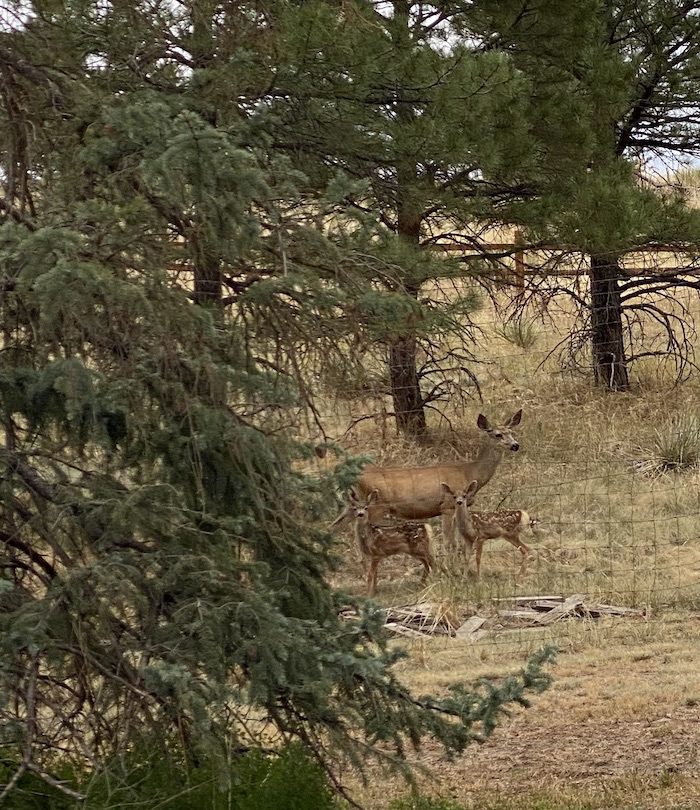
(541,611)
(567,607)
(472,629)
(527,612)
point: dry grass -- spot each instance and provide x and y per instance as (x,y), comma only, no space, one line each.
(609,529)
(618,728)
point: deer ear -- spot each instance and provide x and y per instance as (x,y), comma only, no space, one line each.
(447,488)
(372,496)
(353,495)
(483,423)
(472,488)
(514,420)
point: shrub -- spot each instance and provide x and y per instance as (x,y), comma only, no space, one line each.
(290,780)
(30,791)
(676,445)
(519,332)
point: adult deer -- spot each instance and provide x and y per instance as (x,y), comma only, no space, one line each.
(415,493)
(378,542)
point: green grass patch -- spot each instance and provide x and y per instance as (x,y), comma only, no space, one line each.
(287,781)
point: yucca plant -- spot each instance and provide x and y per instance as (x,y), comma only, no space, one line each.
(676,445)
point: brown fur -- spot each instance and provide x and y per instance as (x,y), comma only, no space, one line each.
(415,492)
(474,528)
(507,524)
(378,542)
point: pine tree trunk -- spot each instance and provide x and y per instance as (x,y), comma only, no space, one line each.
(207,277)
(409,408)
(207,264)
(607,335)
(405,385)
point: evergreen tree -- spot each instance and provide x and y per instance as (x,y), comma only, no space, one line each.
(163,571)
(433,129)
(637,88)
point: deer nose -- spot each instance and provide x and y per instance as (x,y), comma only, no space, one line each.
(515,446)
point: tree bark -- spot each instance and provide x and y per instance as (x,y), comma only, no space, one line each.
(409,408)
(405,386)
(207,276)
(207,264)
(607,334)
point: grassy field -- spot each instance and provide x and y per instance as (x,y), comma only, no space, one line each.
(618,729)
(620,726)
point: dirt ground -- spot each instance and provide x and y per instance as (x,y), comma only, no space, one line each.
(619,728)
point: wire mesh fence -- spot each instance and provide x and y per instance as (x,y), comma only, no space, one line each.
(611,479)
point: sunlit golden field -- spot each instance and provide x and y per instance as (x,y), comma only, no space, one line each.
(617,728)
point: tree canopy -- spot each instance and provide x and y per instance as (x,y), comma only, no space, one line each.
(164,565)
(637,81)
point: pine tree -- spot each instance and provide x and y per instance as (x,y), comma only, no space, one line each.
(638,98)
(433,129)
(163,570)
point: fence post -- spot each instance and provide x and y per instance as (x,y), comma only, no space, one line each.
(519,270)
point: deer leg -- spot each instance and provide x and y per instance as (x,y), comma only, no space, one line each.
(468,549)
(527,553)
(372,577)
(522,548)
(479,548)
(426,557)
(362,559)
(361,552)
(448,530)
(428,563)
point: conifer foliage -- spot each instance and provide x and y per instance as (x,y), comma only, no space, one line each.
(633,79)
(162,570)
(433,128)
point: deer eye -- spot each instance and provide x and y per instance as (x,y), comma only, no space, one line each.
(497,434)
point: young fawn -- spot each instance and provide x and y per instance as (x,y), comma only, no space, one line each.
(377,542)
(457,527)
(474,528)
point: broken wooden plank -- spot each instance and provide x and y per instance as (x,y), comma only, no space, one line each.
(576,608)
(401,630)
(471,628)
(596,610)
(527,599)
(426,618)
(567,606)
(520,617)
(544,605)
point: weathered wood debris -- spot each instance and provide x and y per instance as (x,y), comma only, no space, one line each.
(420,619)
(434,619)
